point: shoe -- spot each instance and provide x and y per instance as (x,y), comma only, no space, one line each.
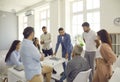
(54,72)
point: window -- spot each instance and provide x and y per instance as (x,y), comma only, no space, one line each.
(22,23)
(42,18)
(84,10)
(45,18)
(93,4)
(25,21)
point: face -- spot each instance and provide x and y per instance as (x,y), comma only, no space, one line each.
(37,41)
(44,30)
(86,29)
(62,32)
(98,37)
(18,45)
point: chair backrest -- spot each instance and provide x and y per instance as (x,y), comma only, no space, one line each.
(3,67)
(116,75)
(82,76)
(117,63)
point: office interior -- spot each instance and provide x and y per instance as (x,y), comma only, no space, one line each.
(15,15)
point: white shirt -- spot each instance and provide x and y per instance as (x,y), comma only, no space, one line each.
(62,38)
(90,38)
(98,54)
(47,41)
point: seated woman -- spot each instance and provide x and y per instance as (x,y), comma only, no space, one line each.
(46,70)
(13,56)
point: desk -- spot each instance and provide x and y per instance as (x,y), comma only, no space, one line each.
(52,62)
(19,76)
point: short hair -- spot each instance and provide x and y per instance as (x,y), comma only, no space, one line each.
(60,29)
(85,24)
(77,50)
(27,31)
(44,27)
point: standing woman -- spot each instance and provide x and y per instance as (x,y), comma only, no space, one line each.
(13,55)
(106,59)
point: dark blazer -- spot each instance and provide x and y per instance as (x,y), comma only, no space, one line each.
(66,43)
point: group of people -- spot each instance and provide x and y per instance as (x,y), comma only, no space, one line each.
(98,49)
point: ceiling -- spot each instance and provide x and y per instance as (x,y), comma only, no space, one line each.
(16,5)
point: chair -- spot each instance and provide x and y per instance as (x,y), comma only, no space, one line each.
(3,67)
(117,63)
(82,76)
(56,77)
(116,75)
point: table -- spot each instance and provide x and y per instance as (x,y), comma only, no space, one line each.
(19,76)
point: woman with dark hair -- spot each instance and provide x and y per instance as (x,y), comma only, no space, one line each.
(105,59)
(13,56)
(46,70)
(36,43)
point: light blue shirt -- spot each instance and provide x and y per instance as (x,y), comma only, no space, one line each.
(14,59)
(31,59)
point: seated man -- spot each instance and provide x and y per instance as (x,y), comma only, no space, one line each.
(76,65)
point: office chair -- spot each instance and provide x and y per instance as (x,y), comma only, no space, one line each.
(82,76)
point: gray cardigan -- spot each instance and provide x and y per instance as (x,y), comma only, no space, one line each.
(74,66)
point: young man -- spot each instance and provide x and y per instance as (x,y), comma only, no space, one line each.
(65,41)
(31,57)
(46,41)
(90,38)
(76,65)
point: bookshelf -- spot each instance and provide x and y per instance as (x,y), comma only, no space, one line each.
(115,42)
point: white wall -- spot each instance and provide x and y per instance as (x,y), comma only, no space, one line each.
(110,9)
(8,29)
(55,22)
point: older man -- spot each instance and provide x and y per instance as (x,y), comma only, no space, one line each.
(77,64)
(31,57)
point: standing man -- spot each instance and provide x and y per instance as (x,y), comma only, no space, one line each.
(46,41)
(90,38)
(31,57)
(65,41)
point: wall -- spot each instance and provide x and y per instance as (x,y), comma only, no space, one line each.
(110,9)
(55,22)
(8,29)
(60,15)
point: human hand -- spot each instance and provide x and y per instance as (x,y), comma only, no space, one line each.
(42,42)
(42,57)
(54,53)
(73,55)
(66,56)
